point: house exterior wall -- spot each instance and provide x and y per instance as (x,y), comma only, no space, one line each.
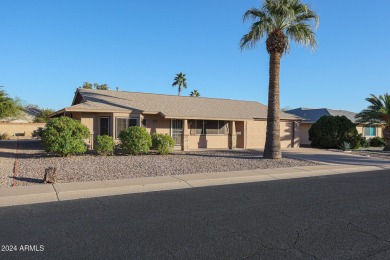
(256,134)
(379,131)
(209,141)
(157,124)
(250,134)
(304,133)
(12,129)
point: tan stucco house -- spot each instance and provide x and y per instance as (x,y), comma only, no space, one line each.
(311,115)
(193,122)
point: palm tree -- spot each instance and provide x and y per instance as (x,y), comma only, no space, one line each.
(195,93)
(279,21)
(378,113)
(180,81)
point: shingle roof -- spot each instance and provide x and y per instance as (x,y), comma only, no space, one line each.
(311,115)
(170,106)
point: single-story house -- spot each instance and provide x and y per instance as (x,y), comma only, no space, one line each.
(193,122)
(310,116)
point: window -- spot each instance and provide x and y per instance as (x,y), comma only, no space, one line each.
(370,131)
(123,123)
(196,127)
(104,126)
(132,122)
(208,127)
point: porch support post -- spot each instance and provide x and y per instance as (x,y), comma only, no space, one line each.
(232,135)
(185,137)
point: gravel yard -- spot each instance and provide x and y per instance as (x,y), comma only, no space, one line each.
(7,160)
(89,167)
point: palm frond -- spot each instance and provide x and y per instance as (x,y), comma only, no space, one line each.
(302,34)
(295,19)
(377,112)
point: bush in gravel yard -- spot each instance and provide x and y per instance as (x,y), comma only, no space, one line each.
(135,140)
(64,136)
(363,141)
(38,133)
(377,142)
(163,143)
(333,131)
(104,145)
(4,136)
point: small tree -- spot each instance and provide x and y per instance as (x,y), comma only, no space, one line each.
(135,140)
(87,85)
(9,107)
(163,143)
(195,93)
(64,136)
(332,132)
(43,116)
(104,145)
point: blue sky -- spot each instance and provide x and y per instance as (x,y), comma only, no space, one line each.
(49,48)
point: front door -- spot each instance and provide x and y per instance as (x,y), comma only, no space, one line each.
(104,126)
(177,131)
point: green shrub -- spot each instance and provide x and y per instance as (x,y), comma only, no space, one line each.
(104,145)
(363,141)
(4,136)
(64,136)
(135,140)
(163,143)
(332,132)
(38,133)
(377,142)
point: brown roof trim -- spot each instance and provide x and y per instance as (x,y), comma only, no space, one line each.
(206,118)
(57,113)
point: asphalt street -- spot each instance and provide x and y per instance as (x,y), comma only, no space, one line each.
(334,217)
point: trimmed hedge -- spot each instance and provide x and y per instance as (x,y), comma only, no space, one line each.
(104,145)
(64,136)
(162,143)
(135,140)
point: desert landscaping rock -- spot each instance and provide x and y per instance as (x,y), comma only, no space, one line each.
(90,167)
(374,153)
(7,162)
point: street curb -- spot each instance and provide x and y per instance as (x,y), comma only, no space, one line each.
(22,195)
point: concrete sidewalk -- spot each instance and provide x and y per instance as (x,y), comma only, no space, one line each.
(79,190)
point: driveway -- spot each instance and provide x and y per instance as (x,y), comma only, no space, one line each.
(330,157)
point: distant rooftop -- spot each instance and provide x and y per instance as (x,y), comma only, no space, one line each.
(311,115)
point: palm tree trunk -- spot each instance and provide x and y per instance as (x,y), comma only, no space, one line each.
(272,149)
(386,136)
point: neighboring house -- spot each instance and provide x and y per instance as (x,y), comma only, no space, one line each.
(21,125)
(311,116)
(26,116)
(192,122)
